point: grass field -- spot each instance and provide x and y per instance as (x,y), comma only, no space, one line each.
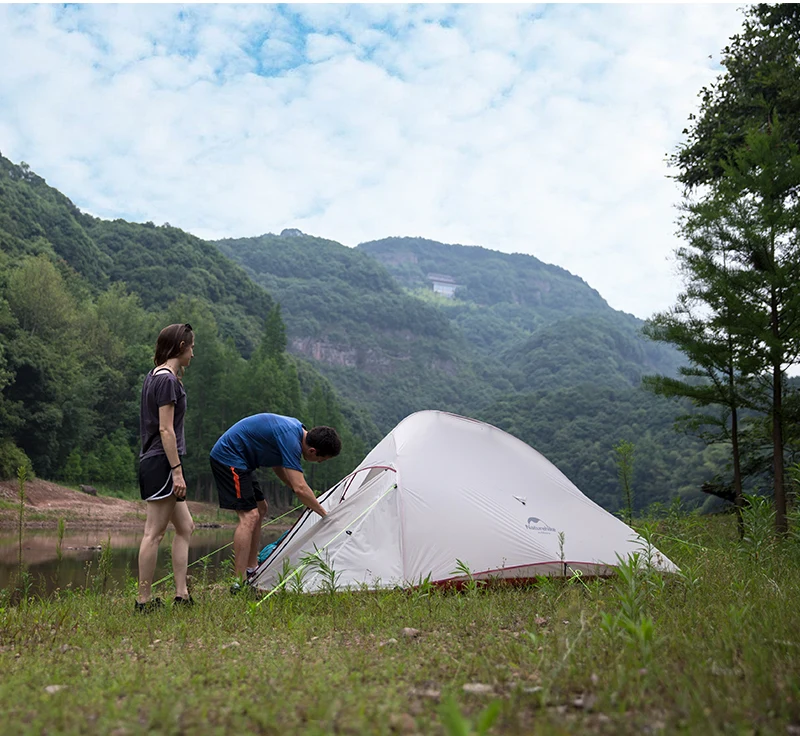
(713,650)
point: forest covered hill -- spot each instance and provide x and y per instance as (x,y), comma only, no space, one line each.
(384,348)
(81,303)
(527,311)
(524,344)
(353,337)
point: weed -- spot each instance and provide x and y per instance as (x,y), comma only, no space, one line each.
(630,622)
(758,517)
(457,724)
(23,586)
(319,562)
(22,476)
(105,565)
(60,539)
(424,588)
(292,578)
(472,586)
(546,585)
(689,577)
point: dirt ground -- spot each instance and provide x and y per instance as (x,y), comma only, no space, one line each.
(46,502)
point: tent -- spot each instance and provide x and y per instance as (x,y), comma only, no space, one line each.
(444,497)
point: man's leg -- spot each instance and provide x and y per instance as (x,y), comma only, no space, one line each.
(255,543)
(230,490)
(249,522)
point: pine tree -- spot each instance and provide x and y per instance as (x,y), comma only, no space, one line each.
(740,158)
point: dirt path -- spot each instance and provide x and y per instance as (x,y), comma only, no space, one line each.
(46,503)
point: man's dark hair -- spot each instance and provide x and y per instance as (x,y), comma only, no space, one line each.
(325,440)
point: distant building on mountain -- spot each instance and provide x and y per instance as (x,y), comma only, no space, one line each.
(292,232)
(444,284)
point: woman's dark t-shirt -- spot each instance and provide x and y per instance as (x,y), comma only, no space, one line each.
(160,389)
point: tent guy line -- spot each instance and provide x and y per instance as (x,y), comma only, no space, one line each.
(305,564)
(229,544)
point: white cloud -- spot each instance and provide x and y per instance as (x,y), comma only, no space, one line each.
(537,129)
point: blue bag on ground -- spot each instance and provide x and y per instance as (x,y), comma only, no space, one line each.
(270,548)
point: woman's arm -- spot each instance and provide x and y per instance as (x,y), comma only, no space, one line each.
(166,416)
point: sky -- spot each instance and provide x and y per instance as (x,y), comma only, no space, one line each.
(539,129)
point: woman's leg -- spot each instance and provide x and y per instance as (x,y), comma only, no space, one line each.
(158,515)
(184,526)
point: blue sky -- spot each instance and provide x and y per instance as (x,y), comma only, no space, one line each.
(538,129)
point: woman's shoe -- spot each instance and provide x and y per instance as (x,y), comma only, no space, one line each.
(149,606)
(178,601)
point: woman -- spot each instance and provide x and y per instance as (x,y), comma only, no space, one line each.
(161,480)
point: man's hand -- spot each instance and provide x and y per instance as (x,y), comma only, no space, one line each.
(297,482)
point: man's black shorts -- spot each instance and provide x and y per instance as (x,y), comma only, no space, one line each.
(155,478)
(237,489)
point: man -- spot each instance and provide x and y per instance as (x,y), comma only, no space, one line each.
(272,441)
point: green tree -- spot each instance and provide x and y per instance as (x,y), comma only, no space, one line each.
(759,198)
(273,342)
(623,456)
(702,326)
(73,470)
(38,298)
(119,460)
(742,264)
(761,81)
(740,154)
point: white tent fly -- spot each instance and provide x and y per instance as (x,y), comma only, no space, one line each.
(441,489)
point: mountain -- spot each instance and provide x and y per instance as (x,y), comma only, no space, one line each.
(369,319)
(353,337)
(543,322)
(525,345)
(81,303)
(380,346)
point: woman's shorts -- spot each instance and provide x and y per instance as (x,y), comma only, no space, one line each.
(237,489)
(155,478)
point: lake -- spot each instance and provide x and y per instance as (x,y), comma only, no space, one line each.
(81,550)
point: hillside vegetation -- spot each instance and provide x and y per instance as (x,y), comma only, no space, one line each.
(81,303)
(308,327)
(524,345)
(503,299)
(382,347)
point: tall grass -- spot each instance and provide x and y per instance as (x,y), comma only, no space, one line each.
(22,476)
(623,456)
(60,538)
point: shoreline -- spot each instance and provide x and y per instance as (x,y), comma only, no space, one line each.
(46,504)
(77,524)
(51,524)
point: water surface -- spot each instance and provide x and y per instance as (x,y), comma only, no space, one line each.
(81,551)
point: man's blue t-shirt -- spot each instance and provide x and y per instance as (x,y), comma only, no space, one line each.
(262,440)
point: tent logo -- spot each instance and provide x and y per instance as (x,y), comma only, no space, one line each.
(538,525)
